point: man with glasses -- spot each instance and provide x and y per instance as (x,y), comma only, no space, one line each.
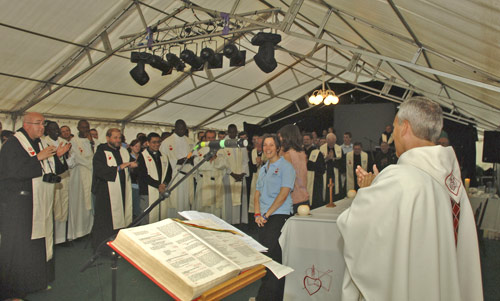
(26,187)
(154,175)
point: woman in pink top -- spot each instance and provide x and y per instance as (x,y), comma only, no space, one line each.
(292,151)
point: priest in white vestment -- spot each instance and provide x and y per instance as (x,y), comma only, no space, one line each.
(209,188)
(411,234)
(235,208)
(176,148)
(80,215)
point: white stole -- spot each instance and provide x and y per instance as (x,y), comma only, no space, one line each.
(160,212)
(121,216)
(313,156)
(350,167)
(43,198)
(388,140)
(336,173)
(234,157)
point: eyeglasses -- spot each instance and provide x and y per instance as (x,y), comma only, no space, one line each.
(36,123)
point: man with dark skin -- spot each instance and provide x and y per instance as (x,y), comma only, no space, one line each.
(176,148)
(81,218)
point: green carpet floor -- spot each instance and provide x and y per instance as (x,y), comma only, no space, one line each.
(95,282)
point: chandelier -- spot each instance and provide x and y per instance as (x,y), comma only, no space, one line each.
(326,96)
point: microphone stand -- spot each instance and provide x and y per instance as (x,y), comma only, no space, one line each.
(166,194)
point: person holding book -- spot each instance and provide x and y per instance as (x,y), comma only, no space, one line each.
(273,205)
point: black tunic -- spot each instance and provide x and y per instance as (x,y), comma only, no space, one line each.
(23,265)
(102,173)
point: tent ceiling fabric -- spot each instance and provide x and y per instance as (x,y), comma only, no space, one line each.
(71,59)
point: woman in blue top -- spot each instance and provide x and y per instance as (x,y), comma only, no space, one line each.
(273,205)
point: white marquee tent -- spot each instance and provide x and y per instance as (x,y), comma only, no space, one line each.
(71,59)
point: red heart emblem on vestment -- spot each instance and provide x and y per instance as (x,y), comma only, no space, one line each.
(170,147)
(312,285)
(32,153)
(149,159)
(109,158)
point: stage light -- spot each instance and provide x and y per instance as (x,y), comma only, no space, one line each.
(191,59)
(214,59)
(175,62)
(236,57)
(139,74)
(265,56)
(159,63)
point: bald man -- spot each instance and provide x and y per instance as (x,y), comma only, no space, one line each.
(27,181)
(332,153)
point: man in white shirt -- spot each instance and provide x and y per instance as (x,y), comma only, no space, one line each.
(209,189)
(410,234)
(235,210)
(80,215)
(176,148)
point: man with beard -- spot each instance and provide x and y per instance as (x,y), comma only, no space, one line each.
(153,176)
(26,196)
(61,189)
(315,171)
(112,186)
(80,218)
(176,148)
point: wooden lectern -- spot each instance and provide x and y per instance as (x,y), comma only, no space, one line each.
(216,293)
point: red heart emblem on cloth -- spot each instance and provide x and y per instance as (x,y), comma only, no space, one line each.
(32,153)
(170,147)
(312,285)
(149,159)
(228,153)
(109,158)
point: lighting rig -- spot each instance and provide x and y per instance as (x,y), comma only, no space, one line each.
(156,40)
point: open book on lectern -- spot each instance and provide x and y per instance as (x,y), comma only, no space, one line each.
(186,260)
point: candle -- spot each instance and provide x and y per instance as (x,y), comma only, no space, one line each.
(467,184)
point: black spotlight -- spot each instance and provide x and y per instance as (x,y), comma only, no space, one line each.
(214,59)
(191,59)
(175,62)
(139,74)
(158,63)
(236,57)
(265,57)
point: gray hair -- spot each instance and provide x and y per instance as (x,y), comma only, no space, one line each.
(424,116)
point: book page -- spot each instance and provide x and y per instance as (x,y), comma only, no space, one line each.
(222,224)
(228,245)
(180,251)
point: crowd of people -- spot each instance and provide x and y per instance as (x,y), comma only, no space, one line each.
(57,187)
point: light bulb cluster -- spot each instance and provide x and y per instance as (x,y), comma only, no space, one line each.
(328,97)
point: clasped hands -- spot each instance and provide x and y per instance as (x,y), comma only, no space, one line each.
(49,151)
(365,178)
